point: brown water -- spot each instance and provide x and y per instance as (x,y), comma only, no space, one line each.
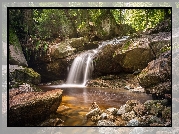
(77,101)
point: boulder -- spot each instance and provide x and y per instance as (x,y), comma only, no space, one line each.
(32,107)
(16,56)
(104,62)
(77,42)
(157,71)
(23,75)
(156,77)
(134,54)
(61,50)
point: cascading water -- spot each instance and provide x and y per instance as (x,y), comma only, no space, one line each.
(81,69)
(82,66)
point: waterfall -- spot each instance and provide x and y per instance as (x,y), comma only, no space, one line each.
(81,69)
(82,66)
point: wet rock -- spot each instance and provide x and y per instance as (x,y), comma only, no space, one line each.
(105,123)
(62,108)
(33,107)
(94,113)
(94,105)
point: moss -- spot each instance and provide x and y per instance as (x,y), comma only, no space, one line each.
(31,72)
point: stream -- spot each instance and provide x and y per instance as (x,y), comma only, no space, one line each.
(77,101)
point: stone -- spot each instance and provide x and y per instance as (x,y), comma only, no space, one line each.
(128,116)
(121,110)
(156,77)
(104,62)
(105,123)
(24,75)
(133,122)
(16,56)
(137,90)
(33,107)
(94,112)
(104,116)
(157,71)
(77,42)
(134,55)
(61,50)
(112,110)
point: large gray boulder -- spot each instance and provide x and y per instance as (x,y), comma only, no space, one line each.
(16,56)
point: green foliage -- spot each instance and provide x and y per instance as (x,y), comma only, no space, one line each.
(13,39)
(47,24)
(141,19)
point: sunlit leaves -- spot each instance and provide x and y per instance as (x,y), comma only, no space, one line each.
(141,19)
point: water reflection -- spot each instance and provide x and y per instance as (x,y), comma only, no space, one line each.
(78,100)
(104,97)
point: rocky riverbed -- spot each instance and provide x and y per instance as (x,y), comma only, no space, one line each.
(133,113)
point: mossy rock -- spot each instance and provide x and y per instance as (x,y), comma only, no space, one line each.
(27,75)
(77,42)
